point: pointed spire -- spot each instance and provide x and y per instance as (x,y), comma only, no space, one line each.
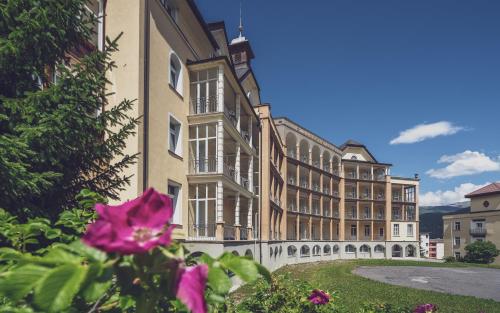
(240,28)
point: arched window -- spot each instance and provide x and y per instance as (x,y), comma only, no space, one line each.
(292,251)
(175,73)
(396,251)
(350,249)
(304,251)
(316,250)
(364,249)
(327,250)
(335,249)
(379,249)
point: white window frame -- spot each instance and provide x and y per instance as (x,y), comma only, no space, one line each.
(178,145)
(456,241)
(178,84)
(455,226)
(176,201)
(409,230)
(395,230)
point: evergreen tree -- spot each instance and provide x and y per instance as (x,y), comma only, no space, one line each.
(54,139)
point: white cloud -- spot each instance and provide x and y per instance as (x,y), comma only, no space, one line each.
(465,163)
(422,132)
(440,197)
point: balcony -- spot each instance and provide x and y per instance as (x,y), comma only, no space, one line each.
(478,231)
(366,196)
(351,175)
(316,188)
(231,172)
(203,165)
(366,176)
(379,216)
(380,197)
(367,216)
(202,231)
(316,211)
(351,216)
(204,105)
(396,217)
(304,184)
(304,209)
(351,195)
(229,233)
(292,207)
(380,177)
(231,116)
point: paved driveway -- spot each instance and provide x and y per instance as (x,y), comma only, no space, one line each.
(470,281)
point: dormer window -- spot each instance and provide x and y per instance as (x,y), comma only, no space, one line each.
(354,157)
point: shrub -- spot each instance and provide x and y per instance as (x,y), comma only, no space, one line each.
(450,259)
(481,252)
(384,308)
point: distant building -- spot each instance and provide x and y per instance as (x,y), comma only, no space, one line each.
(424,244)
(436,249)
(481,224)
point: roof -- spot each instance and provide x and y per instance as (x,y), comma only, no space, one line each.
(202,22)
(486,190)
(354,143)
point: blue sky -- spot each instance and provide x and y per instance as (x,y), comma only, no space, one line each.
(368,70)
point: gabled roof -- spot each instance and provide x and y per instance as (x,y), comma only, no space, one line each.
(354,143)
(486,190)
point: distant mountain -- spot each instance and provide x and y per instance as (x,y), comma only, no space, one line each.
(431,217)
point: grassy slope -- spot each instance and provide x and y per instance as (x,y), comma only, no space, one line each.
(355,290)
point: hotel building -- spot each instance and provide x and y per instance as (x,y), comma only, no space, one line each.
(242,181)
(482,223)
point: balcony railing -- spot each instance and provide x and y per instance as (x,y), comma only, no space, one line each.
(350,195)
(229,233)
(203,165)
(367,216)
(304,158)
(396,217)
(204,105)
(315,211)
(366,196)
(315,187)
(230,171)
(396,197)
(336,214)
(380,197)
(291,181)
(478,231)
(380,177)
(292,207)
(304,209)
(244,233)
(366,176)
(351,175)
(326,190)
(335,193)
(231,116)
(202,231)
(304,184)
(351,216)
(326,212)
(379,216)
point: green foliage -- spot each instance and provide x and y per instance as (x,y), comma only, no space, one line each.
(449,259)
(483,252)
(283,295)
(52,141)
(384,308)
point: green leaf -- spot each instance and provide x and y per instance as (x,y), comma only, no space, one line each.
(218,280)
(58,255)
(88,252)
(243,267)
(10,254)
(57,290)
(20,281)
(95,290)
(264,272)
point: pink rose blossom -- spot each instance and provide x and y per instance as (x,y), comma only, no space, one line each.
(191,287)
(426,308)
(133,227)
(319,297)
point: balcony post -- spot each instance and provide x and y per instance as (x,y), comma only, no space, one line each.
(237,163)
(310,228)
(250,130)
(220,89)
(238,111)
(331,229)
(250,174)
(237,224)
(220,147)
(297,229)
(250,219)
(321,228)
(219,234)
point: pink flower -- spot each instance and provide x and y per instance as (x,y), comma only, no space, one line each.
(425,308)
(133,227)
(191,287)
(319,297)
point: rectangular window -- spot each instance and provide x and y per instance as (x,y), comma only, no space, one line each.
(457,241)
(174,191)
(353,231)
(174,137)
(381,231)
(409,230)
(396,229)
(367,230)
(457,255)
(457,225)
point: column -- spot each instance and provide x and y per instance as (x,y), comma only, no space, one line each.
(388,208)
(220,89)
(237,225)
(219,233)
(220,147)
(238,112)
(237,164)
(271,226)
(250,174)
(297,229)
(250,219)
(342,204)
(310,228)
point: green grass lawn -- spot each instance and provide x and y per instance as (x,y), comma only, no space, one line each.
(354,290)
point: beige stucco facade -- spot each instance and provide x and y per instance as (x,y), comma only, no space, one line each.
(242,181)
(482,223)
